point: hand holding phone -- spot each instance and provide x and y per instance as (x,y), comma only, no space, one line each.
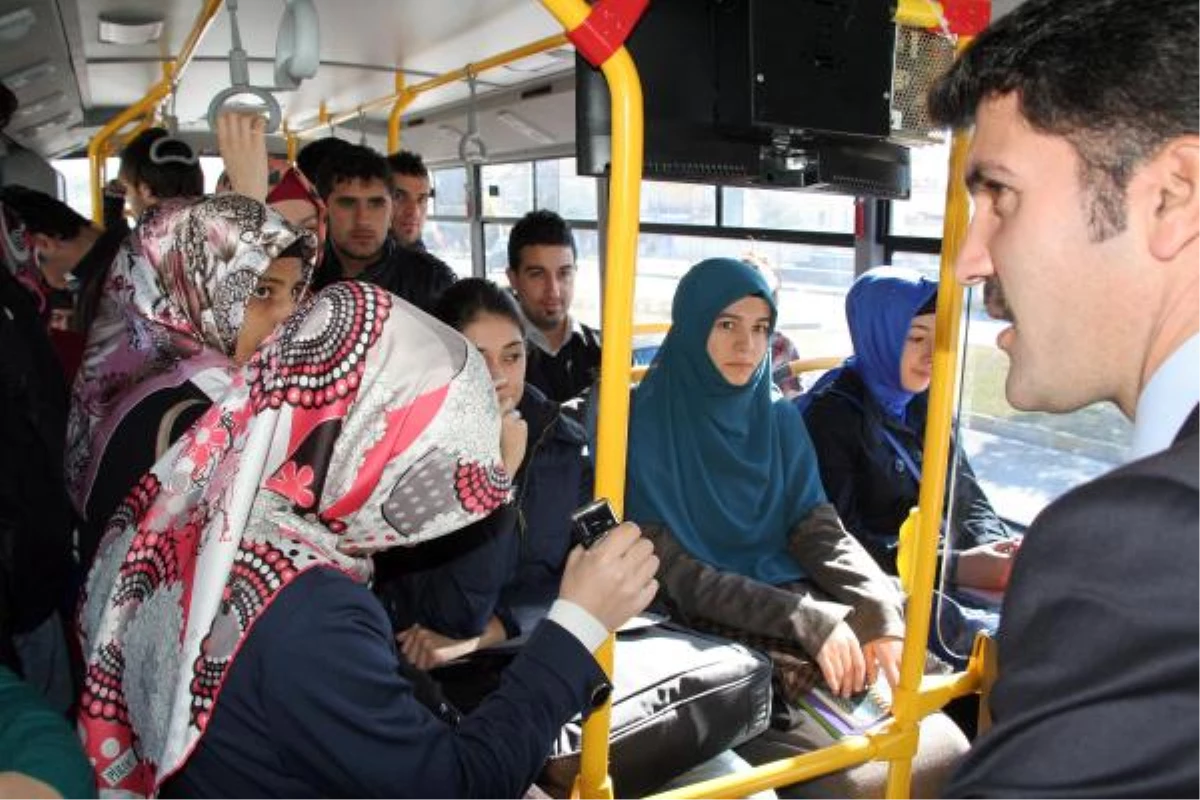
(590,523)
(612,575)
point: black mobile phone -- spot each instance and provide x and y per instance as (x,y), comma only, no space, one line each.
(590,523)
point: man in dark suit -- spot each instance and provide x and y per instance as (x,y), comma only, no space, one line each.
(1084,169)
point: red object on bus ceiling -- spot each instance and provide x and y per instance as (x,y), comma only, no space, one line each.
(967,17)
(606,28)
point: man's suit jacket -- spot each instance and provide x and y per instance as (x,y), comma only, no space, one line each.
(1099,647)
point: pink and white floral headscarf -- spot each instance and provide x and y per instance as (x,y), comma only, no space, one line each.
(171,311)
(362,425)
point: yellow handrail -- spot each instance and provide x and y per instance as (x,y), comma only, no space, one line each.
(917,695)
(815,364)
(625,89)
(906,705)
(172,70)
(403,99)
(289,139)
(403,96)
(645,328)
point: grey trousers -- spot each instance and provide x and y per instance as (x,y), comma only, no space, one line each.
(941,747)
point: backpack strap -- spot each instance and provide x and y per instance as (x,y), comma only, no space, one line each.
(900,450)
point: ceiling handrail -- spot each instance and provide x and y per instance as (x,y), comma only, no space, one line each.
(144,108)
(407,94)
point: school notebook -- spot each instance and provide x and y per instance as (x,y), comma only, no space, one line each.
(843,716)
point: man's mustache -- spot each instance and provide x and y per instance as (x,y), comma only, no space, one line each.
(994,300)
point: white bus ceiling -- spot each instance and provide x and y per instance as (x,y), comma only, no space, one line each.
(71,82)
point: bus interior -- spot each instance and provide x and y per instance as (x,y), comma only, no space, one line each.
(510,117)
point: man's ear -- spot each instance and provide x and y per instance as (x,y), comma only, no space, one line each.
(43,243)
(512,278)
(1175,183)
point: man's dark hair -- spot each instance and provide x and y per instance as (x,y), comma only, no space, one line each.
(538,228)
(317,152)
(463,301)
(42,214)
(406,162)
(8,105)
(352,162)
(141,162)
(1115,78)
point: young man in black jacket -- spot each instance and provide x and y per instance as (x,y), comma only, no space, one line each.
(564,357)
(357,188)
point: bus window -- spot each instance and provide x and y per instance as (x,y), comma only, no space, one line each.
(507,189)
(786,211)
(449,193)
(559,189)
(923,212)
(450,240)
(678,203)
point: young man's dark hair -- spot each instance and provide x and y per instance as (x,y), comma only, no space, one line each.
(1104,81)
(8,105)
(317,152)
(406,162)
(353,162)
(164,170)
(41,213)
(538,227)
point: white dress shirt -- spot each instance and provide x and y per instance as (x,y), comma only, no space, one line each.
(1169,396)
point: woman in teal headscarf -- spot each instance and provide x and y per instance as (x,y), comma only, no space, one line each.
(723,476)
(724,480)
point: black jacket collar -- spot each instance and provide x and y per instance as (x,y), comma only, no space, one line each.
(1190,425)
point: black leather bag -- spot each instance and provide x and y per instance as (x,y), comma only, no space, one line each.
(679,698)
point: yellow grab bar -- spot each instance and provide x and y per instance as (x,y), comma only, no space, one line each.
(403,96)
(625,89)
(906,706)
(646,328)
(802,365)
(98,145)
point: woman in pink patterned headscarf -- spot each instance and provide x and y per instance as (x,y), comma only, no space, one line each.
(192,291)
(232,646)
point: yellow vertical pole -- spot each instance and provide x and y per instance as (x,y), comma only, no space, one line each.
(403,98)
(923,560)
(620,269)
(99,144)
(289,139)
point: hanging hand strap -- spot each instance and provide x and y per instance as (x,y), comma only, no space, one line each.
(239,76)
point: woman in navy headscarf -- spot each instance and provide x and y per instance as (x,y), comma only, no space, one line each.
(867,420)
(723,478)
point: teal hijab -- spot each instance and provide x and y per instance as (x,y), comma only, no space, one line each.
(728,469)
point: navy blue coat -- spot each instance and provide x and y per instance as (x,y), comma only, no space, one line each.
(870,484)
(316,705)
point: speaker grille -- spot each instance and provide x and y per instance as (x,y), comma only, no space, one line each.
(921,58)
